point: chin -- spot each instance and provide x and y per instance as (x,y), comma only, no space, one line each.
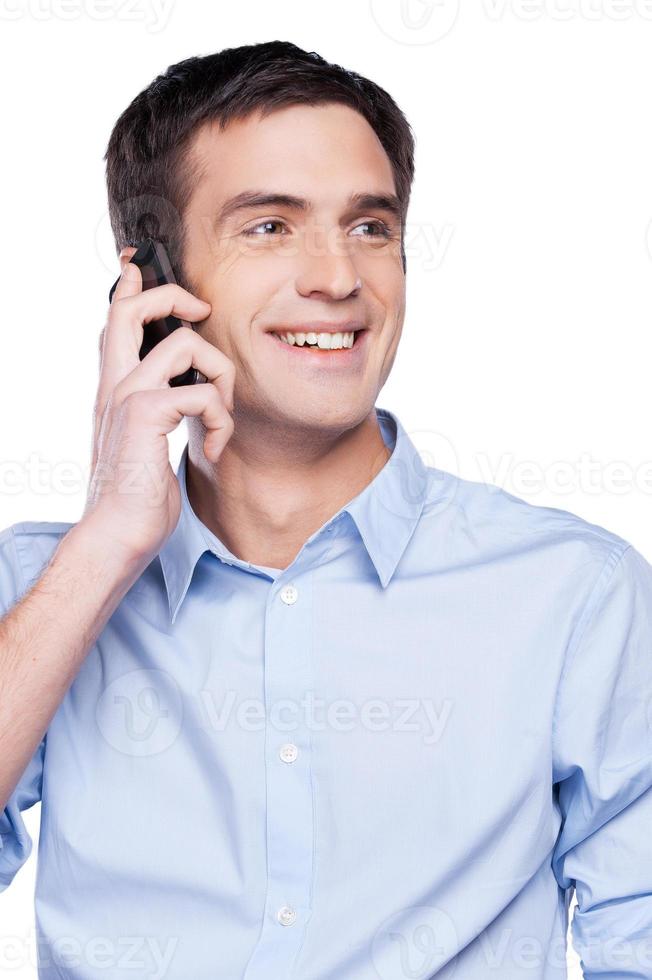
(322,414)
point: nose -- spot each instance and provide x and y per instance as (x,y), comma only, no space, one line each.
(327,272)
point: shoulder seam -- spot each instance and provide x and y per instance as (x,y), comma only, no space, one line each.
(591,605)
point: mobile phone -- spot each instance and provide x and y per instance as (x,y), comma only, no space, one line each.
(154,263)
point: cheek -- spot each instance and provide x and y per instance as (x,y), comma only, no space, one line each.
(246,281)
(383,272)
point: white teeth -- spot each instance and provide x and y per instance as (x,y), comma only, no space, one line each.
(326,341)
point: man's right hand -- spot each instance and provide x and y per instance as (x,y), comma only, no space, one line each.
(134,499)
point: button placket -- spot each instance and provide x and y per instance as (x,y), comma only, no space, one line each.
(289,818)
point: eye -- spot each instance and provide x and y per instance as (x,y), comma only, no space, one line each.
(263,224)
(381,229)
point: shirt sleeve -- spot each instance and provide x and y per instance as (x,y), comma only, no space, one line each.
(15,841)
(602,772)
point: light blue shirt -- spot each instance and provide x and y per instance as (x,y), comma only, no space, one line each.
(393,759)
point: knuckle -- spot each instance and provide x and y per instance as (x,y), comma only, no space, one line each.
(173,288)
(214,400)
(117,307)
(133,404)
(178,343)
(184,338)
(215,396)
(222,411)
(117,396)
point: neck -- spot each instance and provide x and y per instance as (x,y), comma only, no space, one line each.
(274,486)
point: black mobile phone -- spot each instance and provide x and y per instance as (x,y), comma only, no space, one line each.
(156,269)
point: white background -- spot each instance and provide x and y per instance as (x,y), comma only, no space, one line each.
(525,354)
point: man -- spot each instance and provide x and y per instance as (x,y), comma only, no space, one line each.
(309,708)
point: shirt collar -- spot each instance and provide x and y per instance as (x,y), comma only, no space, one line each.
(385,514)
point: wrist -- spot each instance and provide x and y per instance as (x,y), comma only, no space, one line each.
(99,546)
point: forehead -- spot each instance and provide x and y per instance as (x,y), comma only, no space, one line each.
(318,152)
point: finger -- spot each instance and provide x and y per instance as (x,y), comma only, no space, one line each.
(161,301)
(112,351)
(163,409)
(184,348)
(129,283)
(124,328)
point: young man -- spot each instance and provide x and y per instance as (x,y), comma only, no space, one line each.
(309,708)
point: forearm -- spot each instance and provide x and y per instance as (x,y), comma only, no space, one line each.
(46,635)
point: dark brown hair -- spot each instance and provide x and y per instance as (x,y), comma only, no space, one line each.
(149,170)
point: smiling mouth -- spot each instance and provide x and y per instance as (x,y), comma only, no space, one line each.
(319,341)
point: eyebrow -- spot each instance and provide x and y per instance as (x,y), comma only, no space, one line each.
(257,199)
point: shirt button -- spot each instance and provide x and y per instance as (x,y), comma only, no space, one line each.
(288,752)
(289,594)
(286,915)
